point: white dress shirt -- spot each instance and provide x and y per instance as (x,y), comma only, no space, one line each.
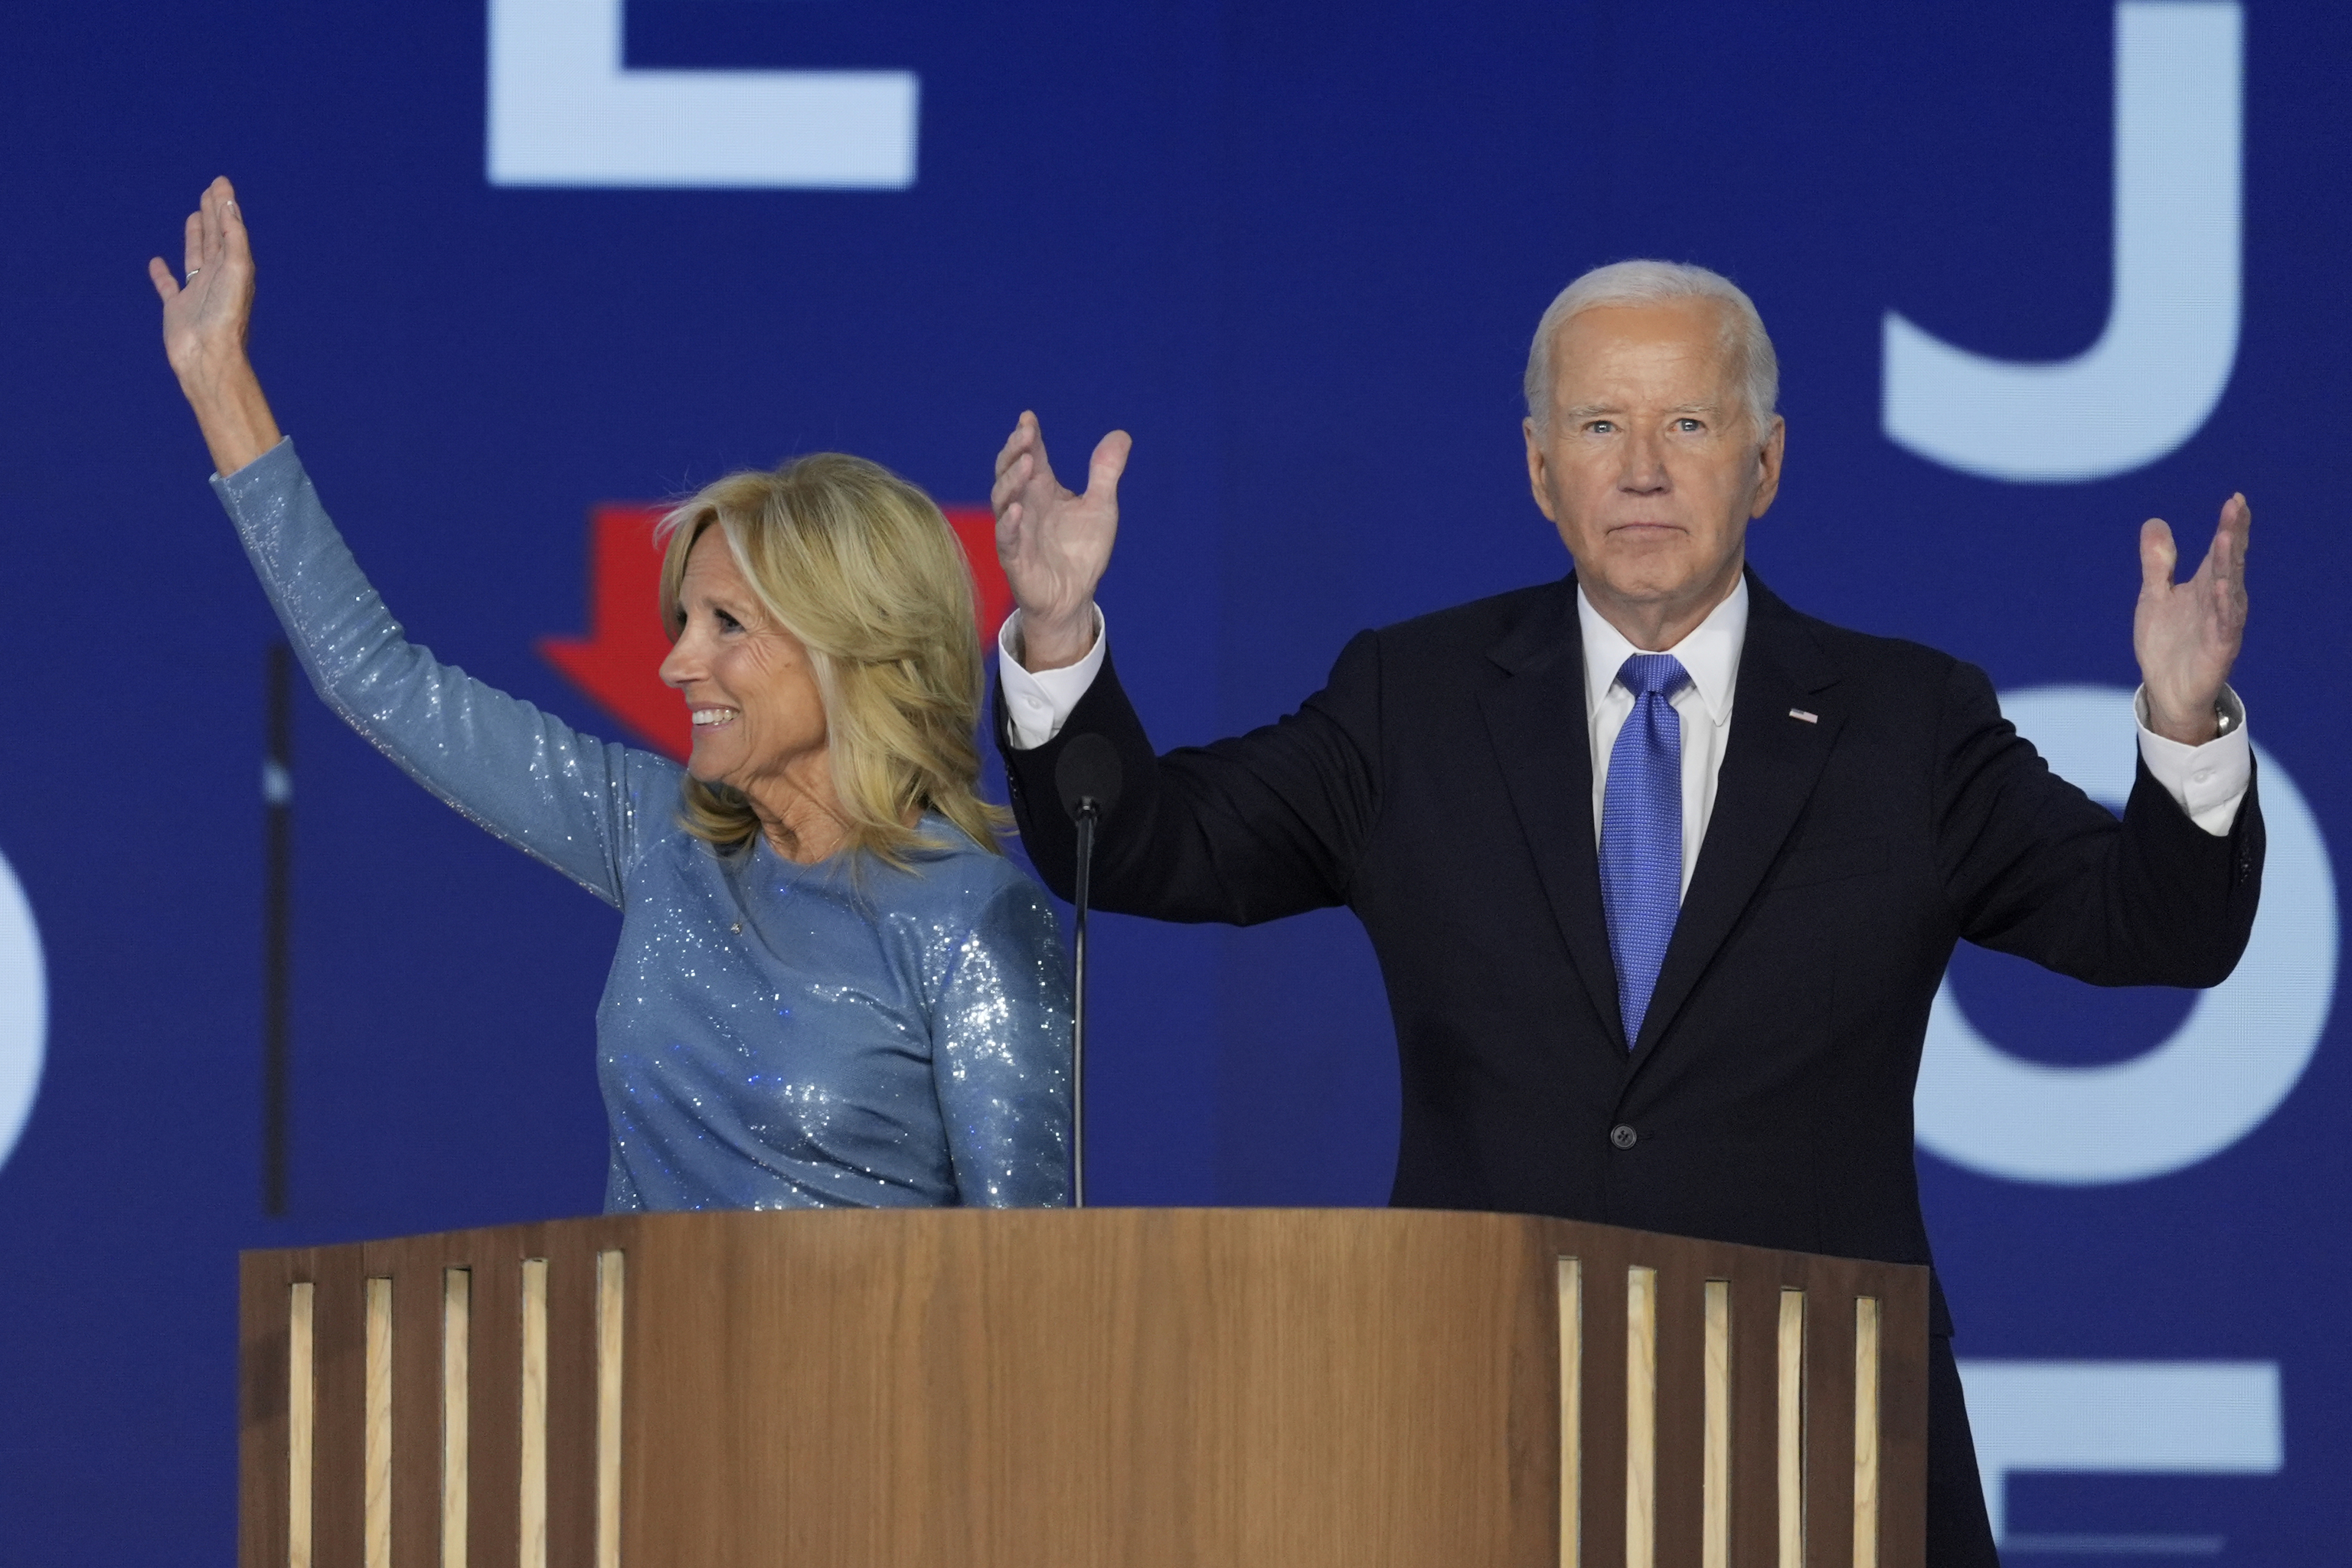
(1710,657)
(2208,781)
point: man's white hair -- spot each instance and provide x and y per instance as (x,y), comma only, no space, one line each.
(1655,283)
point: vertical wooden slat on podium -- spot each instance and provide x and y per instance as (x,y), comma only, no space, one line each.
(1866,1325)
(1641,1416)
(456,1412)
(1829,1416)
(1573,1396)
(415,1269)
(612,1368)
(1789,1444)
(1714,1502)
(375,1440)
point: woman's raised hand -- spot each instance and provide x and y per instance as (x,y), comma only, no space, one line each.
(204,319)
(204,322)
(1055,544)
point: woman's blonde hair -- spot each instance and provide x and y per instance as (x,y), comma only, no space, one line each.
(861,567)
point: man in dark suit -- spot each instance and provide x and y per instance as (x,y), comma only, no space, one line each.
(1662,874)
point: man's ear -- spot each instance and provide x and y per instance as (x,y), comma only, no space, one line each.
(1768,467)
(1538,467)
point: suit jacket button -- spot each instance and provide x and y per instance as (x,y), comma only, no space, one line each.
(1622,1136)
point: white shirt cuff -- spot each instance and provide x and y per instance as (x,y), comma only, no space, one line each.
(1038,705)
(2209,781)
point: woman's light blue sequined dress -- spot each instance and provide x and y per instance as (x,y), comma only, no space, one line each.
(772,1035)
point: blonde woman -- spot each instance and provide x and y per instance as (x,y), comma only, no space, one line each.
(830,987)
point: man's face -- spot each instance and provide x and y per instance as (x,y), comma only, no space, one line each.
(1649,466)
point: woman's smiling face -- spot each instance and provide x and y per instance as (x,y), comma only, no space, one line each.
(758,717)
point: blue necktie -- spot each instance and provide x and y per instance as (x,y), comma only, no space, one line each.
(1642,832)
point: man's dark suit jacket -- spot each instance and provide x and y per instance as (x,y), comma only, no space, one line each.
(1441,786)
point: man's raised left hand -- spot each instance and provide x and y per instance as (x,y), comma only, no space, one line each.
(2187,635)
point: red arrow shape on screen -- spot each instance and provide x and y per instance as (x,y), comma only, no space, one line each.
(975,528)
(617,663)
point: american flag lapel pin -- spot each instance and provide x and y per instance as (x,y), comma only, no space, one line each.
(1807,718)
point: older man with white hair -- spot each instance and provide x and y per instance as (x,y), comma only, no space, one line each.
(1662,874)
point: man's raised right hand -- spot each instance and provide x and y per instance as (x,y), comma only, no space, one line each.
(1055,544)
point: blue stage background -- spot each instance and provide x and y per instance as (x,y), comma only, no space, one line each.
(1296,248)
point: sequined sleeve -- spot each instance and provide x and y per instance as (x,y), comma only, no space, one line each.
(1000,1052)
(561,796)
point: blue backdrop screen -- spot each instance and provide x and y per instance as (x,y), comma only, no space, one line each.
(2036,271)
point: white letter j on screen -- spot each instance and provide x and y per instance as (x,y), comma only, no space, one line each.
(2171,338)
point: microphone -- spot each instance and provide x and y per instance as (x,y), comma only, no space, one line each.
(1087,778)
(1088,775)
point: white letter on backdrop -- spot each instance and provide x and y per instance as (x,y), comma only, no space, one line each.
(2171,338)
(2121,1417)
(23,1009)
(564,112)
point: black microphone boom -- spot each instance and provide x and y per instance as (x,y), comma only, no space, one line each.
(1087,776)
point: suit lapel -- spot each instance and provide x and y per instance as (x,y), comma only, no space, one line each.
(1771,763)
(1536,721)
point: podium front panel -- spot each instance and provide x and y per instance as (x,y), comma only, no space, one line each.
(1031,1389)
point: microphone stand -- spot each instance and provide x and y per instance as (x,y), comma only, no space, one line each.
(1088,814)
(1087,779)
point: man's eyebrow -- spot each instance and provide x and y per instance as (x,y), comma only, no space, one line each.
(1597,410)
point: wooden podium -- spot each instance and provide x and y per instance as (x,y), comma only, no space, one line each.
(1102,1388)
